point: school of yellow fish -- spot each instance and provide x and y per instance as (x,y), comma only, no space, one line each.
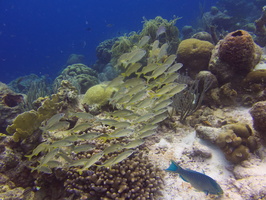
(142,101)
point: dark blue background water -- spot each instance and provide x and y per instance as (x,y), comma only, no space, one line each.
(37,36)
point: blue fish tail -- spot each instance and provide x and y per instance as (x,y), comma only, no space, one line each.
(174,167)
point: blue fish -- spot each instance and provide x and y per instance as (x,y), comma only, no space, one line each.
(198,180)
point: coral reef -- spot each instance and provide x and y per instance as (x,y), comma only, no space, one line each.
(234,57)
(225,95)
(98,94)
(123,45)
(236,140)
(254,87)
(67,92)
(187,31)
(189,100)
(216,18)
(74,59)
(138,110)
(260,30)
(205,36)
(9,159)
(194,54)
(259,116)
(79,75)
(11,104)
(8,189)
(255,77)
(238,50)
(260,23)
(33,86)
(150,28)
(104,51)
(108,73)
(24,125)
(22,84)
(27,123)
(134,178)
(170,34)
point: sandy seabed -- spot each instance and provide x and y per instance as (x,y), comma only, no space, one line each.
(245,181)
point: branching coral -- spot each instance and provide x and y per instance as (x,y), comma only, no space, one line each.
(134,178)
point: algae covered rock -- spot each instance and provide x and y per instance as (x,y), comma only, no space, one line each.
(235,140)
(74,59)
(224,95)
(103,51)
(80,75)
(202,35)
(194,54)
(98,94)
(67,92)
(258,113)
(11,104)
(8,159)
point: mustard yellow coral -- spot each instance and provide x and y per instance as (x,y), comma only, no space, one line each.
(24,125)
(98,94)
(194,54)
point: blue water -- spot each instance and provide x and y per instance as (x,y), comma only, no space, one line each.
(37,36)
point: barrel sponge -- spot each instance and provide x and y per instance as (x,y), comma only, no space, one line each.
(194,54)
(238,50)
(98,94)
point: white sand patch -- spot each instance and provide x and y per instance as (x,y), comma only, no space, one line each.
(184,144)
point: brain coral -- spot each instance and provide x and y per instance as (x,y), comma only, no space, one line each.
(98,94)
(194,54)
(80,75)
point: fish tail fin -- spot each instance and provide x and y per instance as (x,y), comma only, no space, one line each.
(138,74)
(80,171)
(124,74)
(174,167)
